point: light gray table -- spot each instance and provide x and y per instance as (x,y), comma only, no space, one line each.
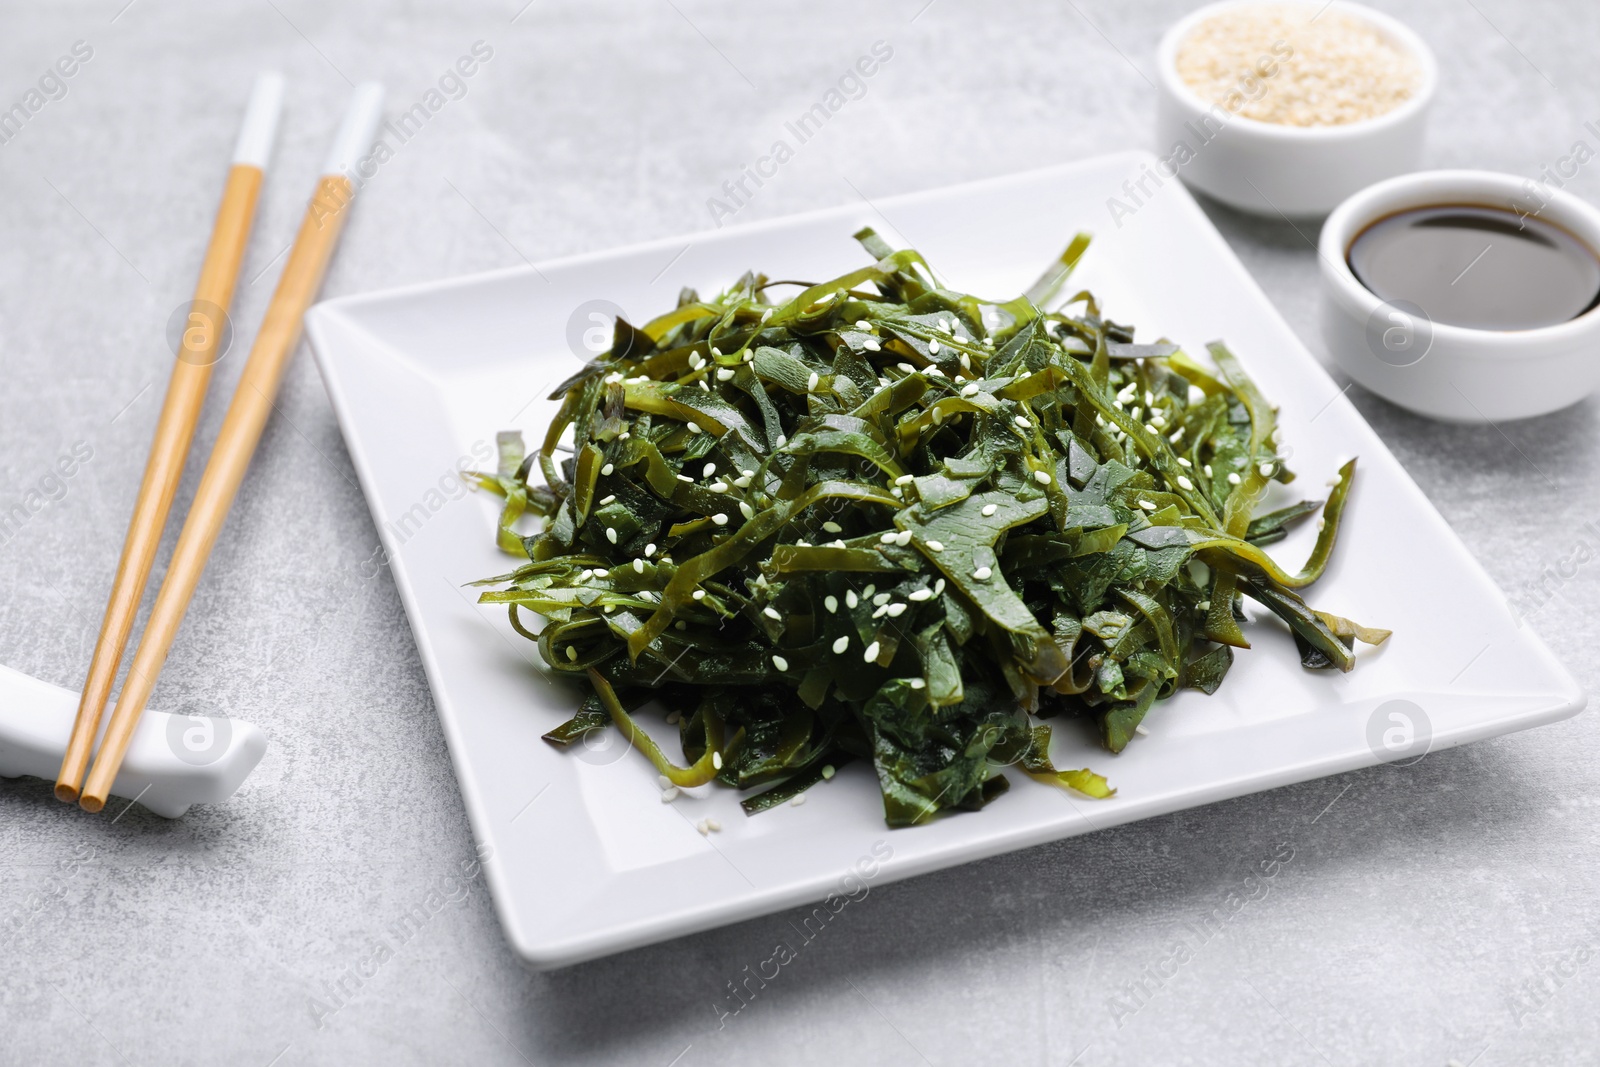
(1428,913)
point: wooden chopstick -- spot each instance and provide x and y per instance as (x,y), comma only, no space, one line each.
(253,402)
(186,390)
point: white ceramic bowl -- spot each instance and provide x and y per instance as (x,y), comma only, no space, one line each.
(1271,169)
(1454,372)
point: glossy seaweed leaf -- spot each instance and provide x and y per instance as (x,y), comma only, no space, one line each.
(886,521)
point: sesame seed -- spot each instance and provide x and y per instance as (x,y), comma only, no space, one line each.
(983,574)
(746,510)
(699,594)
(920,595)
(715,351)
(908,368)
(720,519)
(1157,422)
(638,566)
(1141,731)
(1042,477)
(586,575)
(831,603)
(767,314)
(935,546)
(743,481)
(663,781)
(863,325)
(670,793)
(797,800)
(871,653)
(838,543)
(1149,398)
(870,345)
(903,538)
(1024,423)
(607,469)
(716,760)
(1150,427)
(827,772)
(1321,522)
(703,828)
(840,645)
(611,534)
(600,572)
(966,362)
(693,427)
(918,683)
(1204,605)
(624,435)
(1147,505)
(881,599)
(944,324)
(708,470)
(887,539)
(1333,482)
(1177,435)
(685,478)
(608,500)
(714,825)
(990,509)
(1197,395)
(782,440)
(933,348)
(696,361)
(881,612)
(1207,469)
(905,479)
(832,527)
(1233,478)
(1184,483)
(933,371)
(1184,462)
(771,612)
(724,373)
(811,382)
(938,587)
(1265,469)
(896,610)
(572,652)
(970,389)
(649,550)
(780,663)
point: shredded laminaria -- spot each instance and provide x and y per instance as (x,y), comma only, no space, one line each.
(890,522)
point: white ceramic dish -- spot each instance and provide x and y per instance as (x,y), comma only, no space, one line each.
(586,860)
(1271,169)
(1452,372)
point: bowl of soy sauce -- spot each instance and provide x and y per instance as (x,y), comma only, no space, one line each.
(1469,296)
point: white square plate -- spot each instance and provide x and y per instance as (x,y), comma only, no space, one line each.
(587,861)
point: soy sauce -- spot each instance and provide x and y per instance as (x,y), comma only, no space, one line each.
(1479,267)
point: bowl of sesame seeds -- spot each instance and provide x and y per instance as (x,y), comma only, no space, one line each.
(1287,108)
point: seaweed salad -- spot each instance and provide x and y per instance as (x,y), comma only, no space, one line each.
(889,522)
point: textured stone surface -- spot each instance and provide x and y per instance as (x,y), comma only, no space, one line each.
(1420,908)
